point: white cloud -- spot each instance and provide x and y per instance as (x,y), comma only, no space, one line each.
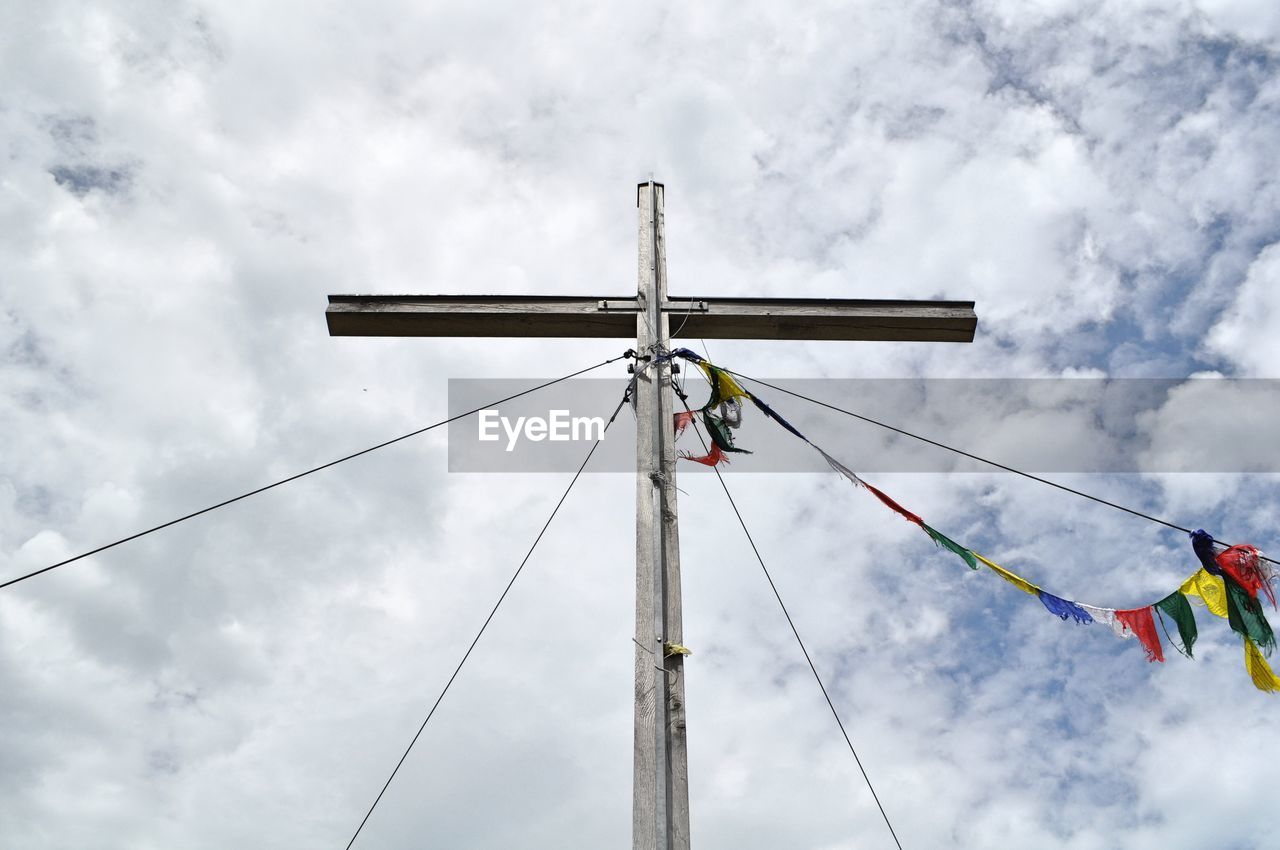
(184,185)
(1241,334)
(1245,19)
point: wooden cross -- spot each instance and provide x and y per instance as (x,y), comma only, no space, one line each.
(660,795)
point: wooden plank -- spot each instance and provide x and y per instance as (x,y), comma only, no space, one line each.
(479,316)
(824,319)
(709,318)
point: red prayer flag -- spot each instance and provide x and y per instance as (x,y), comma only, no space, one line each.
(1143,624)
(1241,563)
(894,506)
(714,457)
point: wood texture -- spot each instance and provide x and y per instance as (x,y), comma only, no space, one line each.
(709,318)
(478,315)
(648,758)
(660,802)
(674,727)
(824,319)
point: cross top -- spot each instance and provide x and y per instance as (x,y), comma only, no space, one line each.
(660,797)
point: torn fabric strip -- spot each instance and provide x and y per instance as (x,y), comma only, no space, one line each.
(1064,608)
(1179,610)
(1015,580)
(1142,624)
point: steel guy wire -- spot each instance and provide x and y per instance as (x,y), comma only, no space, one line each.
(978,458)
(796,632)
(488,620)
(263,489)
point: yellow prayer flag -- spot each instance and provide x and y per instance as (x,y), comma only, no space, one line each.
(729,388)
(722,383)
(1209,590)
(1015,580)
(1259,670)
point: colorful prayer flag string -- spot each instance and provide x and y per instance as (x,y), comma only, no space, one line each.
(1227,584)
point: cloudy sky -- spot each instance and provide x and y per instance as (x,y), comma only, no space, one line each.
(183,184)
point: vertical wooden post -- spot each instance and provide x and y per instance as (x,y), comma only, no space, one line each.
(660,801)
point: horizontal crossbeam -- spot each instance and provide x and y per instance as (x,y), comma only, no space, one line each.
(708,318)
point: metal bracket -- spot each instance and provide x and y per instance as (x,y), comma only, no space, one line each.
(627,306)
(685,306)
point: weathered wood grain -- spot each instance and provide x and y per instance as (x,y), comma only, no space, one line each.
(711,318)
(660,795)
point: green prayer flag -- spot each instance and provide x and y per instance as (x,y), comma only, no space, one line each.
(947,543)
(1244,613)
(1179,610)
(720,433)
